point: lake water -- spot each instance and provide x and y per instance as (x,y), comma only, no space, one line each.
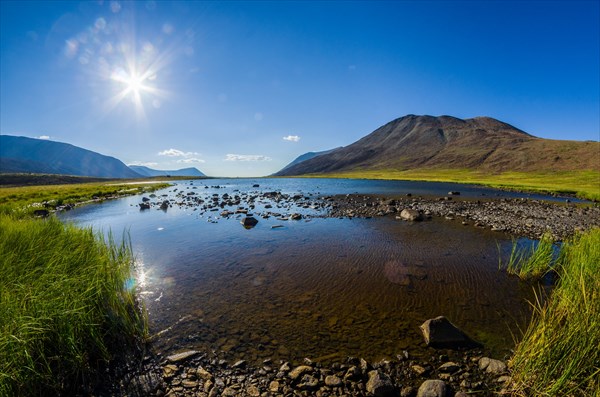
(319,287)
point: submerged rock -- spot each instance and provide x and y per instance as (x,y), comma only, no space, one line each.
(249,222)
(439,332)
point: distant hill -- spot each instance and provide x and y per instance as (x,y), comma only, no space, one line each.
(481,143)
(21,154)
(304,157)
(145,171)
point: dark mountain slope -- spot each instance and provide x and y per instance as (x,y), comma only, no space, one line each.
(145,171)
(21,154)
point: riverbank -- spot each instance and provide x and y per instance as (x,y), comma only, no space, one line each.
(519,217)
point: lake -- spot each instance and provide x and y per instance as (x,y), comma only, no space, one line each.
(318,287)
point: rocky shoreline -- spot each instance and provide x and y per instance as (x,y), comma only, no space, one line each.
(446,373)
(519,217)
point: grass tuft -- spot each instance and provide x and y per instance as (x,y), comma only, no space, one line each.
(65,308)
(559,354)
(533,263)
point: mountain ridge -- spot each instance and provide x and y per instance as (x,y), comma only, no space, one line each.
(482,143)
(150,172)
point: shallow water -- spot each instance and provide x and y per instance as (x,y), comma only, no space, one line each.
(318,288)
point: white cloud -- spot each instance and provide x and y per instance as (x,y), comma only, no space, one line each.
(190,161)
(44,137)
(246,157)
(176,153)
(143,163)
(291,138)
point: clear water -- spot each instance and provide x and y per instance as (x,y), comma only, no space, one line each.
(318,288)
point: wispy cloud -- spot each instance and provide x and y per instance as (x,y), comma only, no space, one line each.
(176,153)
(291,138)
(246,157)
(44,137)
(143,163)
(190,161)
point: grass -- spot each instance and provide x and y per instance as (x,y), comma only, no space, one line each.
(559,354)
(532,263)
(28,198)
(583,184)
(65,308)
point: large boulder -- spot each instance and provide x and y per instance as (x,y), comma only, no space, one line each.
(408,214)
(439,332)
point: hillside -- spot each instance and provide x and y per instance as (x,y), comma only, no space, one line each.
(21,154)
(445,142)
(304,157)
(149,172)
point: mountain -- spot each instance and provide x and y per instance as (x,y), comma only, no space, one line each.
(145,171)
(304,157)
(21,154)
(481,143)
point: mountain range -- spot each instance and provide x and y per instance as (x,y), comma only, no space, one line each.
(445,142)
(39,156)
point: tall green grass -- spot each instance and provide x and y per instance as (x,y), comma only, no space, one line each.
(559,354)
(64,308)
(532,263)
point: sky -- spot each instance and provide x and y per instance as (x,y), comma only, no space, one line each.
(241,88)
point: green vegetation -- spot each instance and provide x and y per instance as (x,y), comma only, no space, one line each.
(532,263)
(559,354)
(65,307)
(584,184)
(28,198)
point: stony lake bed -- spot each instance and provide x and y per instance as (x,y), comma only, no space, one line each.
(324,294)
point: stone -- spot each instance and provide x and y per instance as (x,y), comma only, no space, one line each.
(182,356)
(332,381)
(203,374)
(295,217)
(308,382)
(249,222)
(169,371)
(274,386)
(144,206)
(299,371)
(352,373)
(491,366)
(432,388)
(439,332)
(252,391)
(189,384)
(408,214)
(449,367)
(407,391)
(164,205)
(239,364)
(230,392)
(419,370)
(379,384)
(41,213)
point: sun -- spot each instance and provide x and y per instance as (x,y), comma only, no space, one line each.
(133,84)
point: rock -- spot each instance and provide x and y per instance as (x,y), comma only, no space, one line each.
(145,199)
(408,214)
(407,391)
(203,374)
(432,388)
(256,185)
(249,222)
(352,373)
(225,214)
(419,370)
(299,371)
(182,356)
(295,217)
(274,386)
(379,384)
(169,371)
(332,381)
(239,364)
(41,213)
(308,382)
(439,332)
(449,367)
(189,384)
(144,206)
(453,193)
(491,366)
(165,205)
(252,391)
(230,392)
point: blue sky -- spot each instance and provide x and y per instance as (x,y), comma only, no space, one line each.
(242,88)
